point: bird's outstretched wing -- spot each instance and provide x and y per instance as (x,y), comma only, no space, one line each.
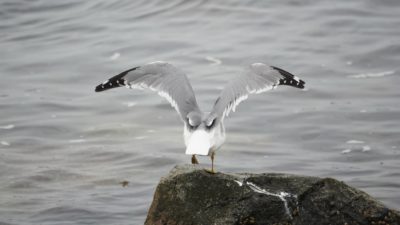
(257,78)
(167,80)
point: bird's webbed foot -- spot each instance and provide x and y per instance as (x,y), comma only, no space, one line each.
(211,171)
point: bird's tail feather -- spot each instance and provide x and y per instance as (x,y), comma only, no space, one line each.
(199,143)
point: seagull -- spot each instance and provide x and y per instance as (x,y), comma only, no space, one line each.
(203,133)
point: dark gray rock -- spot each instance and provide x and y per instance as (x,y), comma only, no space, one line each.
(191,196)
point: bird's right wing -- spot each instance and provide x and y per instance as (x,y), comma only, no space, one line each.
(258,78)
(167,80)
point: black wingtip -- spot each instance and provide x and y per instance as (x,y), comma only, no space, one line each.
(301,84)
(99,88)
(113,82)
(289,79)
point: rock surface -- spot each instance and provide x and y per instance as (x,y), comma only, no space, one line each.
(191,196)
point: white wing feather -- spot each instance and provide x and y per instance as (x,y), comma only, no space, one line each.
(168,81)
(257,79)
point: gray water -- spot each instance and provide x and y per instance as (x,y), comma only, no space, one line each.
(65,149)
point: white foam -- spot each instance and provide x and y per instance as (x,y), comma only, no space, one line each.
(130,104)
(140,137)
(346,151)
(7,127)
(5,143)
(372,75)
(366,148)
(355,142)
(214,60)
(115,56)
(158,62)
(76,141)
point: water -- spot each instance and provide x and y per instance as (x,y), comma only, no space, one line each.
(65,149)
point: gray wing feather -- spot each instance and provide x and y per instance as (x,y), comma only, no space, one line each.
(257,78)
(161,77)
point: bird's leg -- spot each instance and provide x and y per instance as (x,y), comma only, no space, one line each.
(194,160)
(212,164)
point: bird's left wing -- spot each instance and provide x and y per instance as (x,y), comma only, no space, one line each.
(257,78)
(167,80)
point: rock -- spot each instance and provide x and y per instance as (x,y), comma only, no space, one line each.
(191,196)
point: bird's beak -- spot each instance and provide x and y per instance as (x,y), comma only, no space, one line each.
(199,143)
